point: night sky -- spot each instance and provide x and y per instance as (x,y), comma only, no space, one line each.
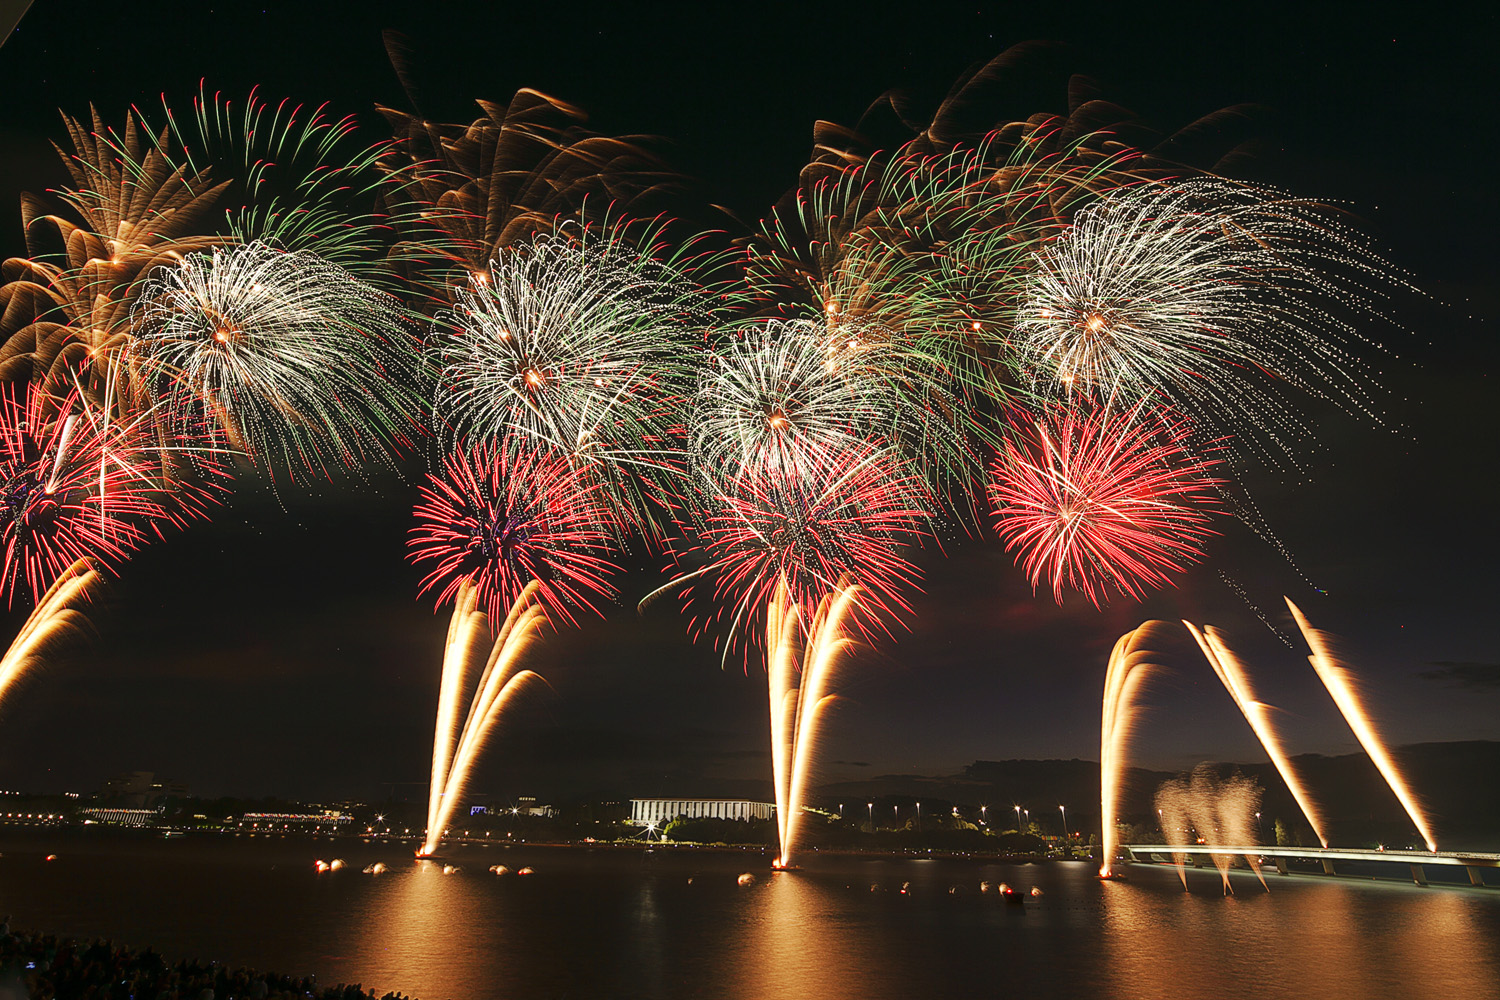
(282,648)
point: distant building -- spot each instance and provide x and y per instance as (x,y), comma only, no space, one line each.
(328,818)
(122,817)
(645,812)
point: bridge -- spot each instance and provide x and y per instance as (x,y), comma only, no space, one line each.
(1417,861)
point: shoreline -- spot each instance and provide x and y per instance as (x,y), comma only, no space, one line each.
(53,967)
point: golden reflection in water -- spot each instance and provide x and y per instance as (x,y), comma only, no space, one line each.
(1317,938)
(421,930)
(796,944)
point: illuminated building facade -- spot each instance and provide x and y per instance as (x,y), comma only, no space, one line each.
(646,812)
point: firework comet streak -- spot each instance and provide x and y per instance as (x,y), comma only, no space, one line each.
(798,706)
(455,748)
(1339,680)
(56,617)
(1232,673)
(1130,665)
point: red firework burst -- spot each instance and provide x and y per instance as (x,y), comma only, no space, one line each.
(845,516)
(77,485)
(1098,500)
(505,520)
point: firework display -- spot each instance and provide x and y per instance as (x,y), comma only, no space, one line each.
(77,487)
(778,399)
(847,514)
(1098,501)
(499,522)
(1038,318)
(572,345)
(289,357)
(1213,294)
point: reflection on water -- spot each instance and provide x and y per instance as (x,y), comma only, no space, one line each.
(796,941)
(669,924)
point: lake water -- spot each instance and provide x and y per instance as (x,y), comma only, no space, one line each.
(623,923)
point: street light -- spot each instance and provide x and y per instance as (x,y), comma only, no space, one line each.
(983,815)
(1064,811)
(1018,818)
(872,816)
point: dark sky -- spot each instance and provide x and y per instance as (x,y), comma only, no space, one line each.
(281,648)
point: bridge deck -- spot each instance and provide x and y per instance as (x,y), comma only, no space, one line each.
(1464,859)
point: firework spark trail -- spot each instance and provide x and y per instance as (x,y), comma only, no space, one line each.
(455,750)
(1099,500)
(797,706)
(1212,293)
(1341,685)
(75,484)
(847,518)
(56,617)
(500,522)
(1219,811)
(1232,673)
(783,636)
(302,180)
(775,401)
(1130,665)
(575,345)
(291,358)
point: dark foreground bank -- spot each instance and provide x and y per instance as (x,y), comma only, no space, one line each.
(46,967)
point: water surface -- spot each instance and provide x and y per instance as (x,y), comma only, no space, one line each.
(611,923)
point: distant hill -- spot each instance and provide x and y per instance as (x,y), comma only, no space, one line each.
(1456,782)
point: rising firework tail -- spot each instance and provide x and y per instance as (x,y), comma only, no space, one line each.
(496,525)
(802,657)
(848,516)
(1343,688)
(1132,662)
(1208,809)
(1098,501)
(57,618)
(455,747)
(1232,673)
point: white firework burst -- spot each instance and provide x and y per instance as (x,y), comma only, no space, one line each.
(780,396)
(1210,293)
(577,345)
(288,357)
